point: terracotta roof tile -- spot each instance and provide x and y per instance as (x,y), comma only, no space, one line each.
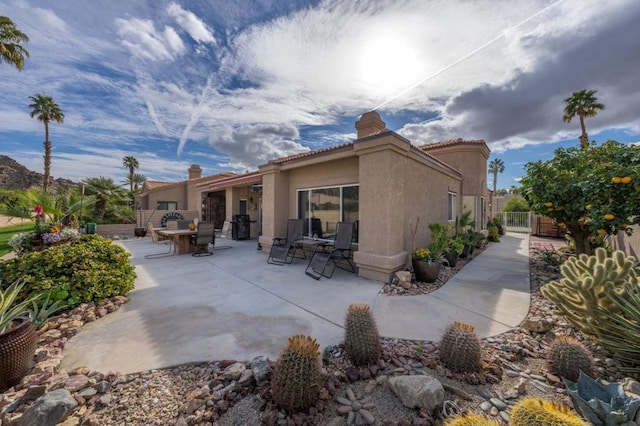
(310,153)
(449,142)
(245,179)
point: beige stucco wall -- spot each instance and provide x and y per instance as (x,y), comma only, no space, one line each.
(176,194)
(628,244)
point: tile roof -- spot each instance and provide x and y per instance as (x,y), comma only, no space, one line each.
(311,153)
(450,142)
(247,178)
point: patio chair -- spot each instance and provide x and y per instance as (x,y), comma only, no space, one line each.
(284,250)
(151,232)
(203,238)
(327,257)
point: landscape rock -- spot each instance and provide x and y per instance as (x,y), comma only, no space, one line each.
(49,409)
(419,391)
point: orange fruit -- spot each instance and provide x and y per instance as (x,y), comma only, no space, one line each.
(559,208)
(616,179)
(589,206)
(602,232)
(609,216)
(626,179)
(549,209)
(548,204)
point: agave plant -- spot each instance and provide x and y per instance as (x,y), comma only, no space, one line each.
(11,307)
(603,405)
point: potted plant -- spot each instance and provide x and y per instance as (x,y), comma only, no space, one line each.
(140,230)
(426,266)
(456,247)
(17,336)
(464,228)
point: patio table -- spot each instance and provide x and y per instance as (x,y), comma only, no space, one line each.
(181,239)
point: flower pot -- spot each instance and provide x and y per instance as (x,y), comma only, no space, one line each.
(140,232)
(426,272)
(452,258)
(466,251)
(17,349)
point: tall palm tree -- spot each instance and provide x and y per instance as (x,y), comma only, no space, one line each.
(105,192)
(582,103)
(46,110)
(132,164)
(10,49)
(496,166)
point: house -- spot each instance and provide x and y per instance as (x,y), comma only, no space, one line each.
(380,182)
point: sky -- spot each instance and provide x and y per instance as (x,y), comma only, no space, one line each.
(231,84)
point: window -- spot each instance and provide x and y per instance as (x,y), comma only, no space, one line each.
(167,205)
(451,215)
(323,208)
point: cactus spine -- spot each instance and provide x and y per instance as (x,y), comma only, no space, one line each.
(533,411)
(296,380)
(582,295)
(361,337)
(460,348)
(567,356)
(470,420)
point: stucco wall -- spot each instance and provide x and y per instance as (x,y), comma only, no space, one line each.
(628,244)
(173,194)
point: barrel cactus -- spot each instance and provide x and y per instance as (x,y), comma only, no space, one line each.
(361,337)
(538,412)
(470,420)
(460,348)
(567,357)
(582,296)
(297,377)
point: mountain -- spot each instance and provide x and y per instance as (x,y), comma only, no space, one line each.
(14,175)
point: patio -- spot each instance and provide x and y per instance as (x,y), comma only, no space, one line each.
(233,305)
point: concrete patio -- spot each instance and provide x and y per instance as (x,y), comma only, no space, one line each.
(233,305)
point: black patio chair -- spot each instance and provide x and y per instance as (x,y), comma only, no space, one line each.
(203,238)
(284,250)
(327,257)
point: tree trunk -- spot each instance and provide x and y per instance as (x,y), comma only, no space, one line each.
(584,138)
(495,181)
(47,166)
(581,239)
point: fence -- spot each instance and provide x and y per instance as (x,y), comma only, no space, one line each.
(515,221)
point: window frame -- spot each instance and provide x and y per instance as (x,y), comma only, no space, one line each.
(309,194)
(451,206)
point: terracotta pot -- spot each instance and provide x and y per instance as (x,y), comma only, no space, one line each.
(426,272)
(17,349)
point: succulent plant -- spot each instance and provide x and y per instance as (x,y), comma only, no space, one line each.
(582,296)
(460,348)
(603,405)
(470,420)
(297,378)
(567,357)
(361,337)
(538,412)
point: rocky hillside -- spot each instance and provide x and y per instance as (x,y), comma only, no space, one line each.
(14,175)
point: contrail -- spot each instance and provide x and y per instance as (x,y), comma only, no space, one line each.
(467,56)
(195,116)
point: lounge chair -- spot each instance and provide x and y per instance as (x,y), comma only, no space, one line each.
(284,249)
(327,257)
(151,232)
(203,238)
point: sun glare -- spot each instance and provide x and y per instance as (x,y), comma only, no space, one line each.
(389,64)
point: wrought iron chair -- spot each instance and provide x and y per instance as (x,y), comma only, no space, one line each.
(203,238)
(284,249)
(337,254)
(156,240)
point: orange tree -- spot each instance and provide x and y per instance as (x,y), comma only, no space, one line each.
(593,192)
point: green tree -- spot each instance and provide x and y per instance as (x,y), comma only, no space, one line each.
(594,192)
(516,204)
(106,193)
(582,103)
(496,166)
(10,38)
(138,180)
(45,110)
(131,163)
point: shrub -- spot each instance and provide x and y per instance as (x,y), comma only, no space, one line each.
(91,269)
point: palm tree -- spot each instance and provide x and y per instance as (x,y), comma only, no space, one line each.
(138,180)
(496,166)
(105,192)
(46,110)
(132,164)
(10,49)
(582,103)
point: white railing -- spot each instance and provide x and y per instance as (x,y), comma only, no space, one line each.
(515,221)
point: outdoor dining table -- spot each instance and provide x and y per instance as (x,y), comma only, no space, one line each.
(181,239)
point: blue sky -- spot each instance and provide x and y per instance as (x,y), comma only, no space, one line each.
(230,84)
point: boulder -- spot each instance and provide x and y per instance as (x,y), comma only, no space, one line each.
(49,410)
(419,391)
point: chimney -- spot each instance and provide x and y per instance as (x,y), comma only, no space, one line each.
(195,172)
(369,124)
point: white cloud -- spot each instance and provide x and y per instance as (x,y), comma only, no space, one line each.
(189,22)
(143,40)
